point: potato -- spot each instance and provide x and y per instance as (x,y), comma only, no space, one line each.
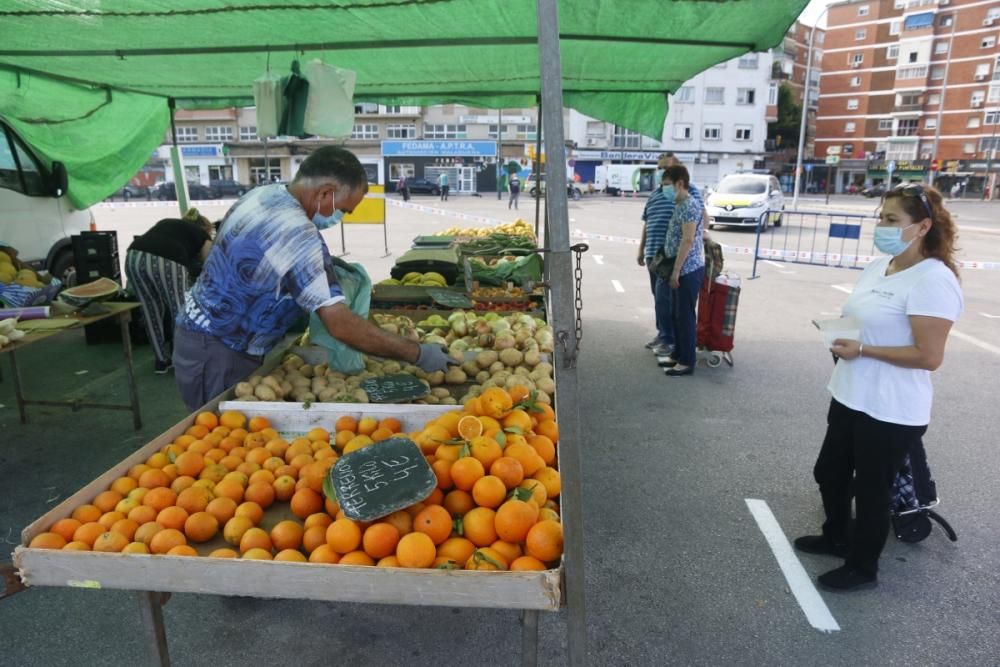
(336,374)
(411,369)
(306,370)
(455,375)
(470,368)
(255,380)
(448,400)
(522,370)
(482,376)
(327,395)
(432,399)
(436,378)
(265,393)
(543,398)
(511,357)
(486,359)
(391,367)
(496,367)
(544,367)
(532,357)
(440,392)
(299,381)
(360,396)
(319,370)
(547,385)
(286,387)
(243,389)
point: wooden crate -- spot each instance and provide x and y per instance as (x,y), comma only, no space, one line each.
(277,579)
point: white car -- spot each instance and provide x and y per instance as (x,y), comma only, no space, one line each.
(741,200)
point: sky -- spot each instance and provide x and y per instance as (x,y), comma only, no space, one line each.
(813,9)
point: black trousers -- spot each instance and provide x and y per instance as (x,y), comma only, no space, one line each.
(860,455)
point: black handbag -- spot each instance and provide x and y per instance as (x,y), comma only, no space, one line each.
(661,265)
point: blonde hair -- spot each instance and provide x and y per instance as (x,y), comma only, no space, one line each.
(194,216)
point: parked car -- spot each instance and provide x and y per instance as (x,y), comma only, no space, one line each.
(226,187)
(741,200)
(423,186)
(573,190)
(36,218)
(129,191)
(874,191)
(196,191)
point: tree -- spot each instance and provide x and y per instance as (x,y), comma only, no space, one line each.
(785,131)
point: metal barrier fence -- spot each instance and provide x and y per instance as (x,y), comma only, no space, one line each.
(816,237)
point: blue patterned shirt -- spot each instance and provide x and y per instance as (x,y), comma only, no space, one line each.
(659,209)
(688,211)
(268,266)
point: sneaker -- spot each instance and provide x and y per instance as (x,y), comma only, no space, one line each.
(162,367)
(653,343)
(665,361)
(847,578)
(663,350)
(820,544)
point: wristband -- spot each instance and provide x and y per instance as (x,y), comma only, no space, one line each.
(861,350)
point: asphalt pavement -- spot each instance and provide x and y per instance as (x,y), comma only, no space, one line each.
(677,570)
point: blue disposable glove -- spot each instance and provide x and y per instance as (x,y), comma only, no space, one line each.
(433,358)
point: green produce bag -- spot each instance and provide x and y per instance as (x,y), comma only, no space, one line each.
(357,288)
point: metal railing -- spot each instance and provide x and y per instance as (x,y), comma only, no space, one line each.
(820,238)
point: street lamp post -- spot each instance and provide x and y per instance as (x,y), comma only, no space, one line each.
(944,87)
(805,111)
(988,184)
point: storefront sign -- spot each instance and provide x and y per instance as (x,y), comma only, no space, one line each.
(439,148)
(645,156)
(200,151)
(492,120)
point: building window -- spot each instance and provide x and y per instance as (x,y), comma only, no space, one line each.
(855,82)
(745,95)
(969,148)
(715,95)
(907,127)
(366,108)
(930,124)
(682,131)
(892,52)
(187,135)
(934,98)
(852,104)
(937,73)
(989,143)
(525,131)
(993,13)
(860,34)
(248,133)
(744,132)
(973,122)
(976,99)
(911,56)
(899,4)
(895,27)
(994,94)
(941,47)
(988,43)
(849,126)
(848,149)
(885,124)
(918,21)
(401,131)
(712,132)
(749,61)
(982,71)
(595,128)
(772,94)
(857,59)
(443,131)
(863,10)
(914,72)
(996,69)
(991,118)
(684,95)
(625,138)
(393,109)
(364,131)
(216,133)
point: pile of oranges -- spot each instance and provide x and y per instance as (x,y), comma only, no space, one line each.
(495,506)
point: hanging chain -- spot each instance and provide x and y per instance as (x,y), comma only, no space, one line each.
(572,355)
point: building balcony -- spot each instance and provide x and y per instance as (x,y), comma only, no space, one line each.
(911,73)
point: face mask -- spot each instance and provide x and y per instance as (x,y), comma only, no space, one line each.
(669,191)
(890,240)
(326,221)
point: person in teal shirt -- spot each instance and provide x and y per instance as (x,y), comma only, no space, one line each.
(443,182)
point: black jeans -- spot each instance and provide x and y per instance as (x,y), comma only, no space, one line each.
(871,452)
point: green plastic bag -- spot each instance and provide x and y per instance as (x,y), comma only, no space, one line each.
(357,288)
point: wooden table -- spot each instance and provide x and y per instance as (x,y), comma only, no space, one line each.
(120,310)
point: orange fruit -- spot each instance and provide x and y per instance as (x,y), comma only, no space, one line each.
(87,513)
(458,502)
(469,428)
(180,483)
(106,500)
(547,514)
(235,528)
(126,505)
(172,517)
(255,538)
(258,456)
(153,478)
(416,550)
(380,540)
(250,510)
(306,502)
(436,498)
(159,498)
(277,447)
(392,424)
(223,509)
(313,537)
(508,550)
(76,546)
(136,471)
(343,535)
(65,528)
(142,514)
(318,433)
(123,485)
(232,419)
(358,442)
(126,527)
(199,447)
(213,472)
(137,493)
(456,548)
(509,470)
(346,423)
(517,419)
(108,519)
(48,541)
(478,526)
(190,464)
(544,447)
(201,527)
(518,393)
(514,519)
(448,453)
(388,561)
(401,520)
(449,422)
(366,426)
(317,519)
(324,554)
(357,558)
(549,477)
(486,450)
(486,559)
(545,541)
(445,563)
(466,471)
(343,437)
(224,553)
(442,470)
(230,462)
(530,461)
(146,531)
(546,414)
(135,548)
(549,429)
(165,540)
(260,493)
(207,419)
(489,491)
(291,555)
(380,434)
(110,542)
(495,402)
(525,563)
(287,535)
(158,460)
(284,487)
(262,475)
(194,499)
(473,407)
(258,553)
(228,488)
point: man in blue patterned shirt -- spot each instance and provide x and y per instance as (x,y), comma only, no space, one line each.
(269,266)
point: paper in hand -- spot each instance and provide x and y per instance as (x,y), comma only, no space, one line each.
(842,327)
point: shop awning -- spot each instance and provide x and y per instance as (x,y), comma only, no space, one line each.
(620,58)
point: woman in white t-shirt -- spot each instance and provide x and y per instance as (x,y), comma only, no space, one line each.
(881,386)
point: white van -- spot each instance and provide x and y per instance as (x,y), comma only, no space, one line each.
(625,178)
(36,217)
(742,199)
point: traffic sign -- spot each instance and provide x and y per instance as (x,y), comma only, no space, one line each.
(833,159)
(833,150)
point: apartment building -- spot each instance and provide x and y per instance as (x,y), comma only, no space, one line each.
(791,61)
(899,76)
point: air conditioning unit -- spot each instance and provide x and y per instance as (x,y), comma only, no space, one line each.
(988,22)
(980,77)
(944,2)
(855,65)
(977,103)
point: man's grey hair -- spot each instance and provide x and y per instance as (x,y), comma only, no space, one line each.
(332,164)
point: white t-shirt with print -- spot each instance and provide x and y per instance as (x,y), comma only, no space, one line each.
(883,304)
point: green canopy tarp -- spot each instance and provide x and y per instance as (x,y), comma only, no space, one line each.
(620,58)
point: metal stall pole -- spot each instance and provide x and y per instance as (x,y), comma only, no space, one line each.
(177,162)
(500,166)
(151,611)
(564,323)
(537,167)
(133,394)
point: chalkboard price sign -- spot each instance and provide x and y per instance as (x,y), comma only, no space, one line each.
(397,388)
(380,479)
(450,299)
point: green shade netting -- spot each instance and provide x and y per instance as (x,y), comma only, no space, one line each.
(619,58)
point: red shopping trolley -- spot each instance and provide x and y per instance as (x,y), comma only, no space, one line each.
(717,305)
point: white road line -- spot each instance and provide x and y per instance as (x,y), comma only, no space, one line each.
(598,258)
(787,273)
(975,341)
(774,264)
(617,285)
(992,317)
(846,289)
(801,585)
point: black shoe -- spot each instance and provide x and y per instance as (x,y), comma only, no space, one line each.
(847,578)
(820,544)
(673,372)
(162,367)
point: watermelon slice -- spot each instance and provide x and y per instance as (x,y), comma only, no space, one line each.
(98,290)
